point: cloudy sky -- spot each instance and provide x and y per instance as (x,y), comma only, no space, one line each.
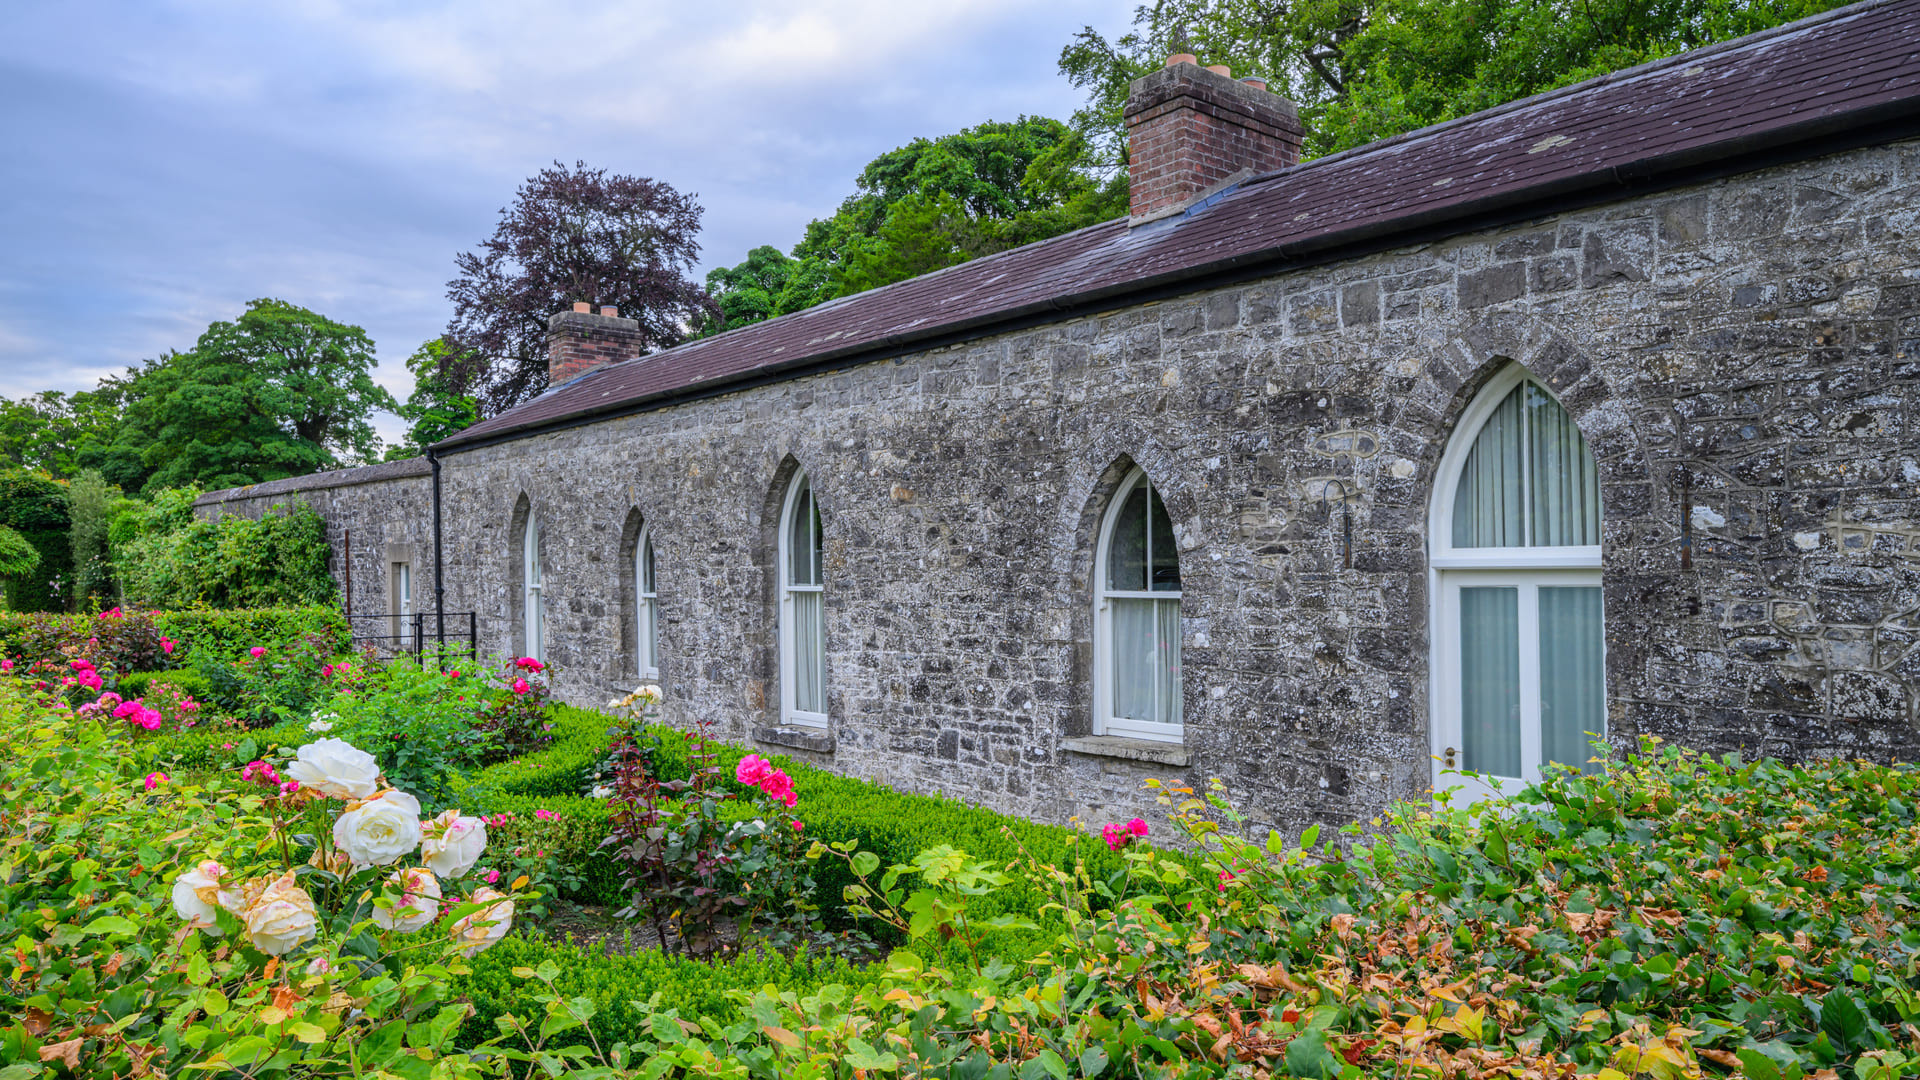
(167,160)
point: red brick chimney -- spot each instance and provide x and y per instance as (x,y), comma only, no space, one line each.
(579,341)
(1190,129)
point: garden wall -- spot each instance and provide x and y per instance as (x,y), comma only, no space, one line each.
(1742,356)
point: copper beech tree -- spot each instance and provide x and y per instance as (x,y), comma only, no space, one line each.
(572,234)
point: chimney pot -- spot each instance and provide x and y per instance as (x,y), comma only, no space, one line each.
(1182,58)
(1191,130)
(583,307)
(610,311)
(579,341)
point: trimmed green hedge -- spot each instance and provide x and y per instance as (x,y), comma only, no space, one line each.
(624,987)
(135,684)
(228,633)
(223,635)
(205,748)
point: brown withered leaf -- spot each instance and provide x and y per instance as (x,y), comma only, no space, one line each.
(67,1052)
(38,1022)
(285,999)
(1723,1058)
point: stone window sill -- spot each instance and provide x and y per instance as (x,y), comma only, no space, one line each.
(814,739)
(1114,746)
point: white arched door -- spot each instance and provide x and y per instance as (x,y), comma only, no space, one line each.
(1519,658)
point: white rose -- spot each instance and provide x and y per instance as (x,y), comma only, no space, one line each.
(380,830)
(334,767)
(320,727)
(419,902)
(473,938)
(451,843)
(282,918)
(199,893)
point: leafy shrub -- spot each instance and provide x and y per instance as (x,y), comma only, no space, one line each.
(205,749)
(35,505)
(189,681)
(133,640)
(419,721)
(168,559)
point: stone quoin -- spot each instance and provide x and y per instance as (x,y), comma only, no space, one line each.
(1207,491)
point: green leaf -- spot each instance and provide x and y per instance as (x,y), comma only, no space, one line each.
(1307,1055)
(1310,837)
(861,1055)
(112,924)
(1093,1060)
(865,863)
(1844,1021)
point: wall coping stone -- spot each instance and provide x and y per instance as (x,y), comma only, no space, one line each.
(799,738)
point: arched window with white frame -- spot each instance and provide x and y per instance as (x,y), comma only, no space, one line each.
(533,607)
(1137,686)
(646,607)
(803,649)
(1514,550)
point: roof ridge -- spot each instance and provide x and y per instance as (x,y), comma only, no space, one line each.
(1586,86)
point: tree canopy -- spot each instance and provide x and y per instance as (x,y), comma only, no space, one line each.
(1362,70)
(571,234)
(926,205)
(281,391)
(436,408)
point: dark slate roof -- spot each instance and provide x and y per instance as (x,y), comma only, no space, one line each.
(1846,74)
(365,474)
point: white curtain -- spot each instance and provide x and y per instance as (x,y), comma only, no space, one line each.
(809,658)
(1573,692)
(1490,680)
(1566,485)
(1146,660)
(1167,659)
(1529,480)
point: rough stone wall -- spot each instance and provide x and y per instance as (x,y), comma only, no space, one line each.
(387,510)
(1742,357)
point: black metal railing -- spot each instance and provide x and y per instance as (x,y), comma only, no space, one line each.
(417,633)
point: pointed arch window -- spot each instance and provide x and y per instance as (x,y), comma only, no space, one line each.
(1137,682)
(1519,645)
(533,609)
(803,654)
(646,607)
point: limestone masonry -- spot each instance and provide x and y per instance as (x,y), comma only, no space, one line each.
(1741,353)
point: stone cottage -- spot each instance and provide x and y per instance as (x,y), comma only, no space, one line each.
(1591,416)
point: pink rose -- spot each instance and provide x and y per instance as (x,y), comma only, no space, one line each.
(493,877)
(779,787)
(797,825)
(520,686)
(1137,827)
(326,671)
(6,665)
(166,645)
(453,674)
(752,770)
(256,652)
(155,779)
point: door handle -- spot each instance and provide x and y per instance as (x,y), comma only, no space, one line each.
(1447,759)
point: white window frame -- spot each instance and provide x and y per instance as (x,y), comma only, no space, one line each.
(646,655)
(1104,722)
(1449,569)
(533,609)
(790,713)
(402,577)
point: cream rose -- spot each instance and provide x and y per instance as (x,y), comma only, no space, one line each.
(199,894)
(477,932)
(333,767)
(419,902)
(450,844)
(282,918)
(378,831)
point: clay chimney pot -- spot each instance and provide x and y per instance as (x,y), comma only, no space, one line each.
(1182,58)
(610,311)
(1220,69)
(1255,81)
(583,307)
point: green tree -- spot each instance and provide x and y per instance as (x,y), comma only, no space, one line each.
(18,559)
(34,505)
(280,391)
(1362,70)
(51,431)
(89,498)
(435,409)
(927,205)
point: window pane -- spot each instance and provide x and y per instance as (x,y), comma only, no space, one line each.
(1127,546)
(817,557)
(1135,656)
(799,544)
(653,636)
(1487,506)
(809,659)
(1165,553)
(1573,694)
(1566,485)
(533,551)
(1490,680)
(646,567)
(1168,658)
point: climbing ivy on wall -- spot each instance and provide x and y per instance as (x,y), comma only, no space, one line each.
(34,505)
(167,559)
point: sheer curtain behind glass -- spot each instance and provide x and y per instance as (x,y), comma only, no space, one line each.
(1142,593)
(535,611)
(1529,480)
(649,608)
(804,584)
(1573,690)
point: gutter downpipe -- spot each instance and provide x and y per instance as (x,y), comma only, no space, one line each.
(439,575)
